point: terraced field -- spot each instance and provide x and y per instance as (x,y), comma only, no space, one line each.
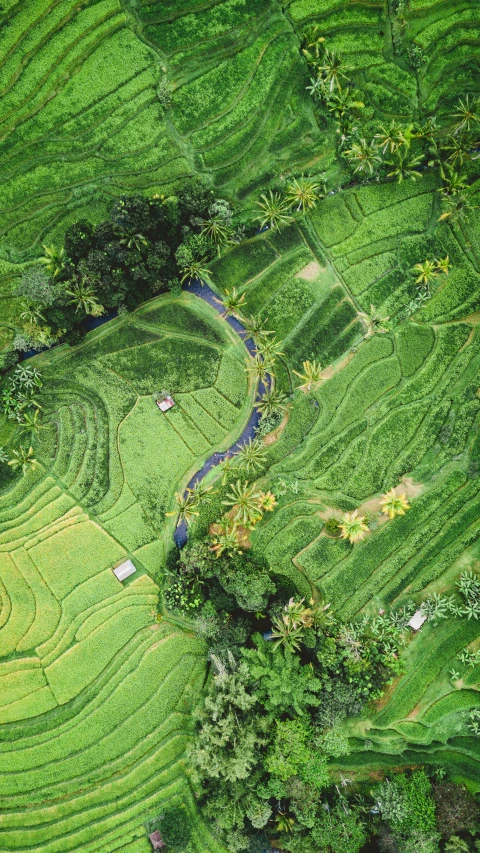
(396,407)
(97,695)
(106,97)
(81,122)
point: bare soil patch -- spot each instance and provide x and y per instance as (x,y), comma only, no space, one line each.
(310,272)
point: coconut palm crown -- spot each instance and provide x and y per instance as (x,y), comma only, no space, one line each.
(393,504)
(245,502)
(353,527)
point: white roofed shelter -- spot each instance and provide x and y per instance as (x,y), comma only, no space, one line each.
(124,571)
(417,620)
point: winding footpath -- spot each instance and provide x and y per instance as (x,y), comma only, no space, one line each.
(203,291)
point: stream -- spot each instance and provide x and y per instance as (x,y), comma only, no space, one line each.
(203,291)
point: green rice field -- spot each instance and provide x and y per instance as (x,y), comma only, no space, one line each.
(105,98)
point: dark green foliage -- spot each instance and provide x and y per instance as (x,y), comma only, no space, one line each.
(8,357)
(37,288)
(78,239)
(456,809)
(176,829)
(406,803)
(335,831)
(242,578)
(293,753)
(284,686)
(337,701)
(332,526)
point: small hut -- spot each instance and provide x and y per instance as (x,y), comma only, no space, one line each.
(124,571)
(165,404)
(164,400)
(157,840)
(417,620)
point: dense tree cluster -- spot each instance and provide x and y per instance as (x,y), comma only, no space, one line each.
(285,672)
(146,246)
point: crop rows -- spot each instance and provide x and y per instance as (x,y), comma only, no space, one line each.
(94,719)
(96,695)
(106,429)
(400,406)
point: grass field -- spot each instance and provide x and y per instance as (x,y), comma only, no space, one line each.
(96,696)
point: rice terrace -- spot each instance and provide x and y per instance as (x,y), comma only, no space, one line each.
(240,426)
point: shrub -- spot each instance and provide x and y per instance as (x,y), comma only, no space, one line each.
(457,811)
(332,527)
(406,803)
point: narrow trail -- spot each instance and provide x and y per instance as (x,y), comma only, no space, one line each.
(203,291)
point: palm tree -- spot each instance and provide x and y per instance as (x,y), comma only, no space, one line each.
(270,349)
(227,465)
(274,210)
(23,458)
(133,240)
(217,231)
(252,456)
(285,633)
(443,264)
(233,301)
(226,540)
(392,137)
(85,298)
(186,508)
(458,206)
(201,491)
(459,149)
(53,260)
(260,368)
(268,501)
(302,193)
(353,527)
(32,315)
(30,422)
(374,321)
(329,70)
(393,505)
(254,326)
(403,165)
(454,182)
(312,372)
(313,44)
(272,401)
(316,88)
(426,270)
(28,377)
(245,501)
(341,104)
(365,155)
(194,271)
(430,129)
(468,114)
